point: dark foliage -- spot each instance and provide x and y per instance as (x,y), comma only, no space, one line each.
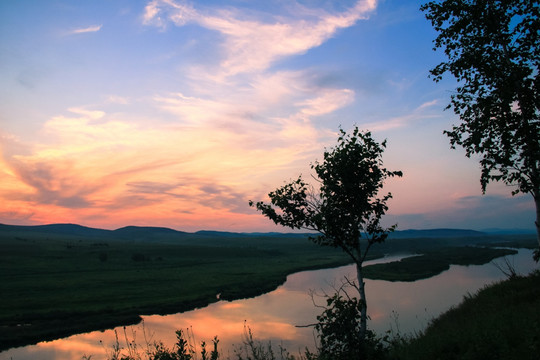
(493,50)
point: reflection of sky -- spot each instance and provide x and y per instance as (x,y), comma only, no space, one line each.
(274,316)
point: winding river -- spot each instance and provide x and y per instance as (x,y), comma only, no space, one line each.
(406,307)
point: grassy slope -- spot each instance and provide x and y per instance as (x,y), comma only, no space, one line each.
(501,321)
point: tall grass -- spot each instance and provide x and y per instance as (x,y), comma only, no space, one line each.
(185,348)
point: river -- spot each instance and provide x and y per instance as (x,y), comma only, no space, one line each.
(406,307)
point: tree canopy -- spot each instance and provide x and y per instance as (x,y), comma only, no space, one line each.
(493,50)
(345,208)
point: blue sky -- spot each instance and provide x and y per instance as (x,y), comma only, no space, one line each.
(176,113)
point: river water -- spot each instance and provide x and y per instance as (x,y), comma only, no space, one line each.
(404,307)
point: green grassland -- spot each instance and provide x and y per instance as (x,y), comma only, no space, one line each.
(60,280)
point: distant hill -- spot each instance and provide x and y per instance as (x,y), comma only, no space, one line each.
(145,233)
(62,229)
(219,233)
(509,231)
(435,233)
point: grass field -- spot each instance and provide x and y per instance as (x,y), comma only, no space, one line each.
(60,281)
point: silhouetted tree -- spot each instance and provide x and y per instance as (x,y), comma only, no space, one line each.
(493,50)
(345,211)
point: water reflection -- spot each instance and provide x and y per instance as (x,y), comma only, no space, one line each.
(274,316)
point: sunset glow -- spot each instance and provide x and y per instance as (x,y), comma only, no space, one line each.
(176,113)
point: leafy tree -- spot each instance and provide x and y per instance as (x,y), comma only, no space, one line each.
(345,211)
(493,50)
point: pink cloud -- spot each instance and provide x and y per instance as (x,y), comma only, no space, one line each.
(113,172)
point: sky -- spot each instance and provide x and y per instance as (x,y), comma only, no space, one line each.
(176,113)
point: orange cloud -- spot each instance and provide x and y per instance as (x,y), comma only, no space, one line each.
(94,168)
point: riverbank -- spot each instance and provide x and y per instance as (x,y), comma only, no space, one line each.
(65,284)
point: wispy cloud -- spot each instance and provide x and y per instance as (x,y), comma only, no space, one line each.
(329,101)
(109,166)
(89,29)
(428,104)
(92,114)
(116,99)
(253,44)
(264,99)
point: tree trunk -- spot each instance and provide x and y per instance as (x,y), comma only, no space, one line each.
(363,302)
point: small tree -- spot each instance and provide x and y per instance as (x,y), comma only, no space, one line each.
(493,50)
(345,211)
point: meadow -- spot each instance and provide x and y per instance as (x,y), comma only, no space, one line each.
(65,279)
